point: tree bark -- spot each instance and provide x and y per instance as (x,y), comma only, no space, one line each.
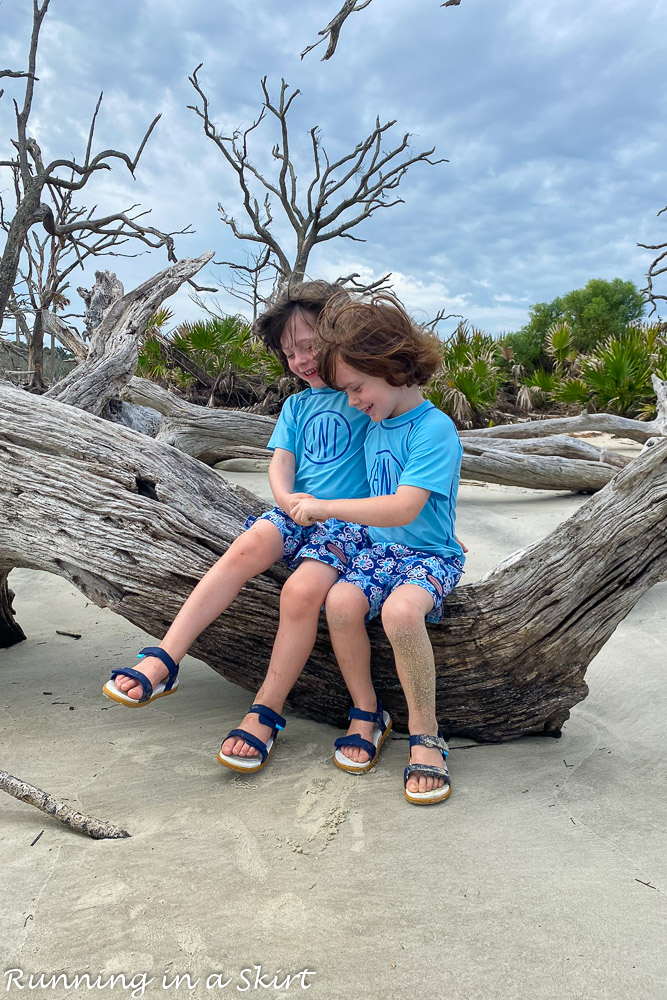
(134,524)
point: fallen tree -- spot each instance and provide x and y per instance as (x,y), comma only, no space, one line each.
(607,423)
(134,524)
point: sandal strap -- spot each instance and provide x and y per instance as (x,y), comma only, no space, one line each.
(355,740)
(426,769)
(136,675)
(433,742)
(253,741)
(164,656)
(268,717)
(377,716)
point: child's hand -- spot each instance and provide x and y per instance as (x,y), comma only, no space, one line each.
(307,511)
(464,547)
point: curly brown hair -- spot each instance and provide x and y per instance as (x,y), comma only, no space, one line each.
(375,336)
(306,299)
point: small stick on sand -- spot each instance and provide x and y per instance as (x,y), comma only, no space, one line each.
(95,828)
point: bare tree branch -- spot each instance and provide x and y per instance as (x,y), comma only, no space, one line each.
(32,178)
(25,792)
(339,196)
(332,30)
(656,268)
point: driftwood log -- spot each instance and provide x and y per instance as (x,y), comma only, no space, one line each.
(607,423)
(112,357)
(210,435)
(134,524)
(98,829)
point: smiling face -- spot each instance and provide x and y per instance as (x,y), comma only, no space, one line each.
(374,396)
(298,346)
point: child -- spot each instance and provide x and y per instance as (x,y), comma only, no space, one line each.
(318,449)
(411,559)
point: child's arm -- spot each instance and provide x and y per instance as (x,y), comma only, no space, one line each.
(391,511)
(281,478)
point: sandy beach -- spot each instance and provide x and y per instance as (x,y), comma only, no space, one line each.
(543,877)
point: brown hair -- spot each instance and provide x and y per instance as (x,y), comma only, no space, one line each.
(375,336)
(306,299)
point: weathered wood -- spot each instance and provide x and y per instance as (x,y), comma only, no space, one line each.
(536,472)
(10,630)
(607,423)
(112,358)
(207,434)
(134,524)
(553,444)
(25,792)
(213,435)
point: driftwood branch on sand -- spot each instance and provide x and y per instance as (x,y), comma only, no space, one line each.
(134,524)
(96,828)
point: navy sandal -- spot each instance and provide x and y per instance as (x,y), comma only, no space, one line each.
(430,771)
(168,686)
(268,718)
(381,730)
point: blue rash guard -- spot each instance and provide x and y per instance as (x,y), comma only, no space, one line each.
(326,436)
(418,448)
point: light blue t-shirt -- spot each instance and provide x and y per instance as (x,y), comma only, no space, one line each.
(418,448)
(326,436)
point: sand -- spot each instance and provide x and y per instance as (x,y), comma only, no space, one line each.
(543,876)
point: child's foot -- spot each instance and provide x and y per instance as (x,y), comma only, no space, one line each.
(363,729)
(359,749)
(432,784)
(155,671)
(422,782)
(234,746)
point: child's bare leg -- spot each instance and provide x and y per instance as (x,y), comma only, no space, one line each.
(249,554)
(403,617)
(346,609)
(301,600)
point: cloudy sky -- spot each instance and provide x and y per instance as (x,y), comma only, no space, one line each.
(551,115)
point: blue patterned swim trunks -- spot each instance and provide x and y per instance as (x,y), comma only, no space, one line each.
(335,543)
(380,568)
(316,538)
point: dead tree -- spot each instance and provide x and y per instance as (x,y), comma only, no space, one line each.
(657,268)
(134,524)
(112,357)
(608,423)
(333,28)
(338,197)
(43,190)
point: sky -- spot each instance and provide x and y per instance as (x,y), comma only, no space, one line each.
(551,116)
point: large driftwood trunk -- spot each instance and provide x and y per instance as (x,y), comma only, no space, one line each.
(112,357)
(134,524)
(208,434)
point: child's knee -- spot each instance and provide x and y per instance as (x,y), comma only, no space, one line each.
(300,596)
(402,623)
(345,605)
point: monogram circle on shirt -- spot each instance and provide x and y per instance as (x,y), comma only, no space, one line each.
(385,474)
(326,436)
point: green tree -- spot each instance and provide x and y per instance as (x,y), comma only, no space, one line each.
(600,310)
